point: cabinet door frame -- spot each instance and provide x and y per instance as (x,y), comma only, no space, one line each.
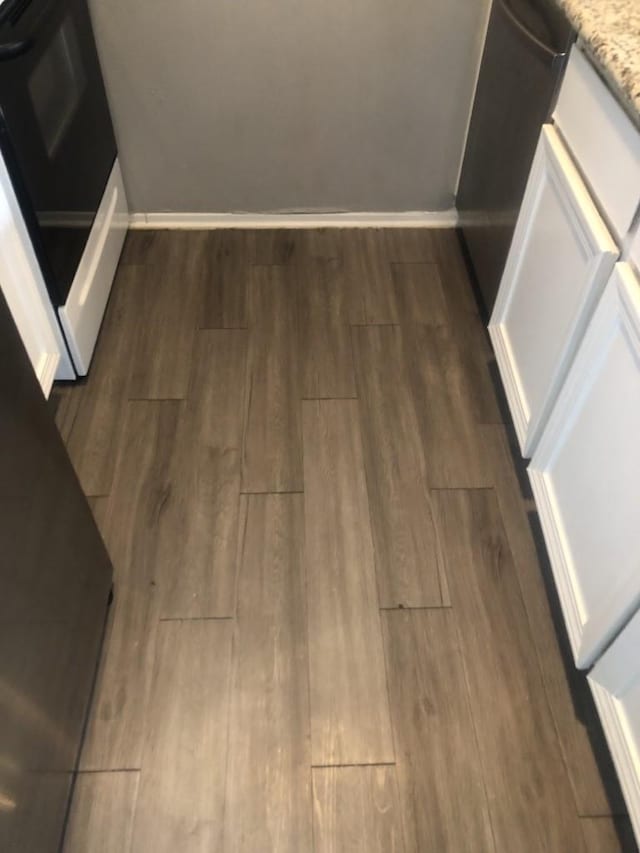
(614,674)
(552,167)
(618,313)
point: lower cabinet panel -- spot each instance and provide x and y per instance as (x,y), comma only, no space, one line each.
(585,475)
(615,684)
(559,261)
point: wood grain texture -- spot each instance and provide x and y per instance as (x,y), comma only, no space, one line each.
(324,334)
(480,369)
(272,246)
(356,810)
(455,278)
(350,721)
(181,799)
(101,816)
(168,318)
(137,506)
(608,835)
(442,794)
(418,293)
(272,449)
(368,278)
(140,246)
(407,552)
(441,395)
(268,799)
(318,243)
(568,693)
(224,293)
(530,798)
(90,415)
(197,555)
(410,245)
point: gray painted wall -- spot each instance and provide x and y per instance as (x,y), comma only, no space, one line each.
(288,105)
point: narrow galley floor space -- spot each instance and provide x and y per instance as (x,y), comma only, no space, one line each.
(333,626)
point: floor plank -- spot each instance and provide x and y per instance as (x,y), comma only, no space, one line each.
(480,369)
(272,451)
(368,279)
(530,798)
(452,446)
(418,293)
(318,243)
(227,266)
(442,794)
(356,810)
(181,799)
(168,317)
(324,334)
(410,245)
(90,415)
(407,553)
(455,278)
(350,721)
(268,800)
(570,700)
(197,568)
(272,246)
(608,835)
(137,505)
(141,245)
(101,816)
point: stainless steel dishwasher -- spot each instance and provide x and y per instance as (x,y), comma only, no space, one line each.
(524,57)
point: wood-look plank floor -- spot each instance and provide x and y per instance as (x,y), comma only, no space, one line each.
(331,628)
(268,779)
(272,446)
(137,504)
(530,798)
(443,800)
(407,552)
(181,798)
(357,810)
(196,560)
(102,812)
(350,721)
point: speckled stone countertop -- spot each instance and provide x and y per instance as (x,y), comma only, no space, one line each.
(610,30)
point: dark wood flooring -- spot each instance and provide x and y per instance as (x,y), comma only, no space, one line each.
(331,628)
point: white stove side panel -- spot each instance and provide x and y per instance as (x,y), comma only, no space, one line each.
(81,315)
(26,292)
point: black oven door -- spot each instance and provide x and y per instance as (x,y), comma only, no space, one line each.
(55,128)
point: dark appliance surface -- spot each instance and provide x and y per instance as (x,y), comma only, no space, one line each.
(55,128)
(55,581)
(524,57)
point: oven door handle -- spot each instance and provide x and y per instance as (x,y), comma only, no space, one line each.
(12,49)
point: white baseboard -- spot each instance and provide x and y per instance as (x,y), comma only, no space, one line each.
(410,219)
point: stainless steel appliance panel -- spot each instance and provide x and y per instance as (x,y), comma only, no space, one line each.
(55,580)
(524,56)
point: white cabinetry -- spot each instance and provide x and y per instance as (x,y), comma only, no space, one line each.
(585,474)
(615,684)
(561,256)
(603,140)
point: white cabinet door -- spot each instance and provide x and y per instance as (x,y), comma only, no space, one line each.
(560,258)
(585,474)
(615,684)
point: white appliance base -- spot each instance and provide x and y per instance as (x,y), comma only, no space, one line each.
(81,315)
